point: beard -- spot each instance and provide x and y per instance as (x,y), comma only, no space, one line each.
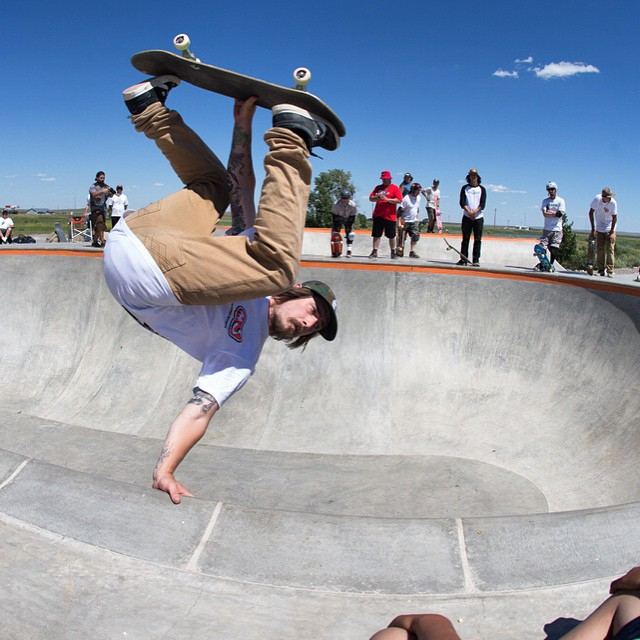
(284,328)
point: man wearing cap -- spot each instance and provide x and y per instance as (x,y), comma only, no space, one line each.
(603,216)
(552,208)
(405,185)
(343,213)
(221,311)
(387,197)
(473,197)
(432,194)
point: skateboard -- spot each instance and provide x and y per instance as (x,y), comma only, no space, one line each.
(591,253)
(60,234)
(400,240)
(541,254)
(234,85)
(336,244)
(452,248)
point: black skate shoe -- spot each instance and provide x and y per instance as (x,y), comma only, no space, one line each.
(315,131)
(141,95)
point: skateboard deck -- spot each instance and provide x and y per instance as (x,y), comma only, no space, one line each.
(400,240)
(60,234)
(336,244)
(452,248)
(591,254)
(541,253)
(232,84)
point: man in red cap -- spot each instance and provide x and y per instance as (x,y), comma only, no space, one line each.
(387,197)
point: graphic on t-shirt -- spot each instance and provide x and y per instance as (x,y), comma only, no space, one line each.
(236,325)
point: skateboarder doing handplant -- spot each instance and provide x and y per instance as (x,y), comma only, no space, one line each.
(206,294)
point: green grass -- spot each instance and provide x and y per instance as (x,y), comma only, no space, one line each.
(39,224)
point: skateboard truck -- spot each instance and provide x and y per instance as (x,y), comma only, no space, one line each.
(181,42)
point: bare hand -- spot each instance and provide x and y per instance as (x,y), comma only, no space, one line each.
(169,484)
(243,112)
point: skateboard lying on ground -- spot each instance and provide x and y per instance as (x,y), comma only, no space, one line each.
(235,85)
(452,248)
(591,253)
(336,244)
(541,253)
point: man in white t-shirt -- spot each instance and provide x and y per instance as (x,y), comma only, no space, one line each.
(432,194)
(552,208)
(603,216)
(234,291)
(6,228)
(118,204)
(409,218)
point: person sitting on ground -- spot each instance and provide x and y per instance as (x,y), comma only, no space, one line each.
(6,228)
(617,618)
(218,298)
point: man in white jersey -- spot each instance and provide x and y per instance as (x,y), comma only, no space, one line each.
(603,216)
(207,294)
(473,198)
(552,208)
(409,218)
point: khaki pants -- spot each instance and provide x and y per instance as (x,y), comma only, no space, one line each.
(176,230)
(605,244)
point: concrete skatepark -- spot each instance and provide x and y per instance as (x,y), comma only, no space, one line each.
(468,445)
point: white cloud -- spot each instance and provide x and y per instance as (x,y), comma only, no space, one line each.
(46,179)
(501,73)
(500,188)
(563,70)
(528,60)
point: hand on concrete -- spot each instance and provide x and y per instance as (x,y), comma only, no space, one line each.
(169,484)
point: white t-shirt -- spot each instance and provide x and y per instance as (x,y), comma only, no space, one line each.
(603,213)
(553,205)
(433,197)
(226,338)
(119,203)
(6,223)
(410,208)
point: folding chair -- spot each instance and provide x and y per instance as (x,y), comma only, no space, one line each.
(80,227)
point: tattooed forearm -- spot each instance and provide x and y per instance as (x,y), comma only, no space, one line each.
(240,137)
(167,450)
(205,400)
(238,220)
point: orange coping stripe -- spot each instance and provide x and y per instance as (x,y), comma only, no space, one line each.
(359,266)
(54,252)
(569,281)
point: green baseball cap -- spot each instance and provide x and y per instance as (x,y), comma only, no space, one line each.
(324,294)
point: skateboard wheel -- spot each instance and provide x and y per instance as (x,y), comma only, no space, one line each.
(181,42)
(301,76)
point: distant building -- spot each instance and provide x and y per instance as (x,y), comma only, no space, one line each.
(38,211)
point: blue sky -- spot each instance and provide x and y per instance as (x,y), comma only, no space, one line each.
(525,91)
